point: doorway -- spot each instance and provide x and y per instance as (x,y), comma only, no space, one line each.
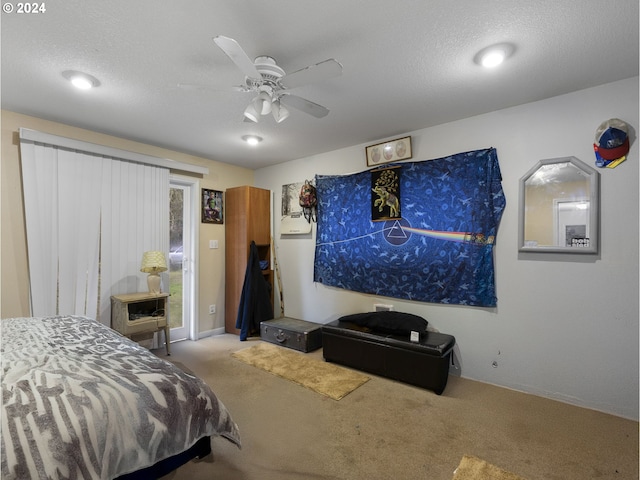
(571,222)
(182,262)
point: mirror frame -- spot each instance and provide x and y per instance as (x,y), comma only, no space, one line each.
(594,210)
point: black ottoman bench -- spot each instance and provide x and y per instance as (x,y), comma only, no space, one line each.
(380,343)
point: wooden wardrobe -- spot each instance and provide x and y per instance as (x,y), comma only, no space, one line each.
(247,218)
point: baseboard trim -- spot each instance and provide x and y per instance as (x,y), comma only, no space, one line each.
(211,333)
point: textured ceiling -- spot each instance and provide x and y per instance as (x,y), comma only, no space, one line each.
(407,65)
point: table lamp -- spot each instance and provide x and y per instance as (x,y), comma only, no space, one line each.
(153,263)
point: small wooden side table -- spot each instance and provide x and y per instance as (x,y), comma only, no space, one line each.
(138,313)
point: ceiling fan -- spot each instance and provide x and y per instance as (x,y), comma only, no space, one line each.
(264,77)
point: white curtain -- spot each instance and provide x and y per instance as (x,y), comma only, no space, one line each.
(89,218)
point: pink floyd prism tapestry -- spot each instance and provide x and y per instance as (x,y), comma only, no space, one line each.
(439,250)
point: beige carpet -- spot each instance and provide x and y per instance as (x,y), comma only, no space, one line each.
(474,468)
(389,430)
(321,377)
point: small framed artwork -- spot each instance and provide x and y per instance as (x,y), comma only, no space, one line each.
(385,184)
(212,207)
(390,151)
(293,220)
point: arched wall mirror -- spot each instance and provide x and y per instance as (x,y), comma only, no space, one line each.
(559,207)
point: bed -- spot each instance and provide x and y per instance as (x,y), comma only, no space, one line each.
(80,401)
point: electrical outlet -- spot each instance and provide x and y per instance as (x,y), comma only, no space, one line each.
(381,307)
(212,309)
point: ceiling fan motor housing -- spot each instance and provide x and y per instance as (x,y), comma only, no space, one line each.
(267,66)
(271,74)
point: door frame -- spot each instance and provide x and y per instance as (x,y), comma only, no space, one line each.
(560,222)
(192,187)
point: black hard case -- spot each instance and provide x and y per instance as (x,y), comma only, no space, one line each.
(292,333)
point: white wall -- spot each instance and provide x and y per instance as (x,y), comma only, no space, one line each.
(566,326)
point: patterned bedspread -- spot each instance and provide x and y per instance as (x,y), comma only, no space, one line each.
(79,401)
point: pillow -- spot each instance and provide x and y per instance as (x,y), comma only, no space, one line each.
(397,323)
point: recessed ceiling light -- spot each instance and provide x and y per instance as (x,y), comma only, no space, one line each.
(81,80)
(252,139)
(494,55)
(493,58)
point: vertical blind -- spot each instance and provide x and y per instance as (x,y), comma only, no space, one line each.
(89,218)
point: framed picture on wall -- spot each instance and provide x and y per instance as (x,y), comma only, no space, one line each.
(212,206)
(293,221)
(389,151)
(385,194)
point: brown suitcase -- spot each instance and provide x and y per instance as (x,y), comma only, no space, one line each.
(292,333)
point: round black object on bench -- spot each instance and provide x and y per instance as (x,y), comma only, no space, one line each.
(396,323)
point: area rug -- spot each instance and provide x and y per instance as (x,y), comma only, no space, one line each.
(474,468)
(325,378)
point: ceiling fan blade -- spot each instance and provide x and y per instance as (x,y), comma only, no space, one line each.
(198,86)
(304,105)
(313,73)
(235,52)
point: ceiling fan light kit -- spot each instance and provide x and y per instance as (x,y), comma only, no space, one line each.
(251,113)
(264,77)
(279,111)
(262,103)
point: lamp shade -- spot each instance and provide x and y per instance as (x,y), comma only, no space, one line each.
(279,111)
(262,103)
(251,113)
(153,262)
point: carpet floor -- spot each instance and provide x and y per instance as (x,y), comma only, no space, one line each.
(389,430)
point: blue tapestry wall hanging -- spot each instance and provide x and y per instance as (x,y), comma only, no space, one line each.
(439,250)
